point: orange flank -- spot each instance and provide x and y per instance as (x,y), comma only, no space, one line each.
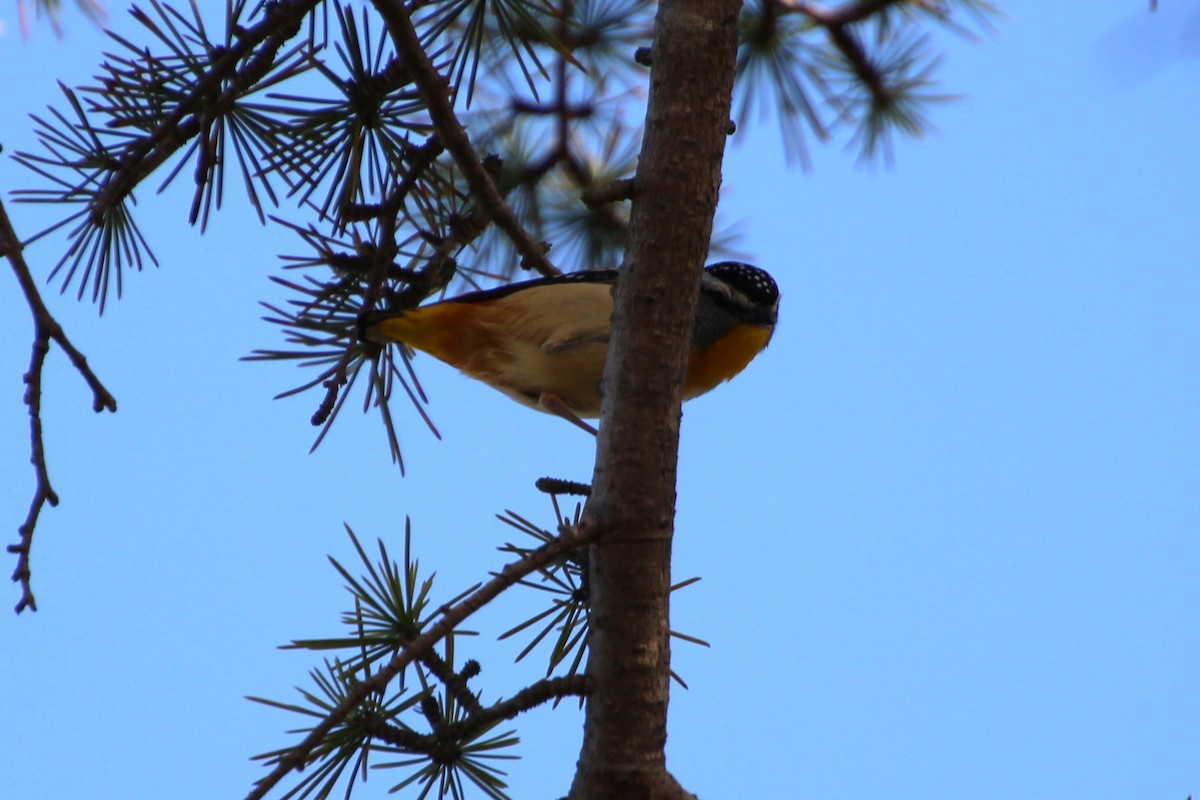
(445,331)
(724,358)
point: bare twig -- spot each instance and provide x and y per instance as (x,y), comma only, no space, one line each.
(569,540)
(46,329)
(434,92)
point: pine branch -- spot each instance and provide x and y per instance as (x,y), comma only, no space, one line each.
(263,40)
(91,9)
(422,158)
(384,256)
(836,22)
(46,329)
(434,91)
(571,539)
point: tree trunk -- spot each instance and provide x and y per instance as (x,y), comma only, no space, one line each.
(633,494)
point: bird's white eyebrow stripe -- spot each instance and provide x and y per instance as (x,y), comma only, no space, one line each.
(721,287)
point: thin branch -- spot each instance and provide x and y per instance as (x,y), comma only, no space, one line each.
(846,14)
(570,539)
(611,192)
(384,254)
(528,698)
(281,23)
(560,486)
(434,91)
(475,723)
(863,66)
(836,22)
(45,330)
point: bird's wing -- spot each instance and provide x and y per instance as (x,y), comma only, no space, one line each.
(555,317)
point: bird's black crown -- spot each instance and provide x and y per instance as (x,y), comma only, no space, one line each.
(755,284)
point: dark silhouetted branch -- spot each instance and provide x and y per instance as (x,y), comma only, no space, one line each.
(45,330)
(434,91)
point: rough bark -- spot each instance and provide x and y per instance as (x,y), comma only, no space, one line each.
(633,498)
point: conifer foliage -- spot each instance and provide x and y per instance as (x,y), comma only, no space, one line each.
(420,147)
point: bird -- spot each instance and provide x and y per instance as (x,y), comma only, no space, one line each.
(544,342)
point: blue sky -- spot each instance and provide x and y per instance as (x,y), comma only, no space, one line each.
(948,524)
